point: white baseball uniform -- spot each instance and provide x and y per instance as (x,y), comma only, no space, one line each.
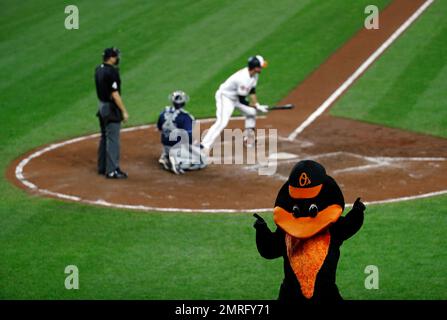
(227,98)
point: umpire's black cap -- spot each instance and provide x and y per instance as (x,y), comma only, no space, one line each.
(110,52)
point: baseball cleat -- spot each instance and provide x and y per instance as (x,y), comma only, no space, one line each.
(121,172)
(116,175)
(164,162)
(175,167)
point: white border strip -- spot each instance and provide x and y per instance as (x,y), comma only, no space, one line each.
(326,104)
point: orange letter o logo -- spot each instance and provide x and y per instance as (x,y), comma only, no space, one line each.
(304,180)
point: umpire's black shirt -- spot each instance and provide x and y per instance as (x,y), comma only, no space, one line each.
(107,79)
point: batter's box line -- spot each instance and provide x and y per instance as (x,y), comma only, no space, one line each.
(297,158)
(385,161)
(376,162)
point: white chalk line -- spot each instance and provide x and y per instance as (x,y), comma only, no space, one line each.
(22,164)
(402,199)
(38,153)
(361,168)
(376,161)
(334,96)
(100,202)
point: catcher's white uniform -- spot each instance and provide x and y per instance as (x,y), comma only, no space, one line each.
(241,83)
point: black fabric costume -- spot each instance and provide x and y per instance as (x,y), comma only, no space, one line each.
(272,245)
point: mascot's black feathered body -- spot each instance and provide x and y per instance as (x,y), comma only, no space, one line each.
(310,231)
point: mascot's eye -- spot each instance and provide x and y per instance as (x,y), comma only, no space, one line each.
(313,210)
(296,211)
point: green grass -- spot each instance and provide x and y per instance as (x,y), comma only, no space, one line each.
(124,255)
(405,241)
(48,95)
(406,87)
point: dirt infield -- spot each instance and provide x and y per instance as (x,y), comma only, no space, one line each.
(371,161)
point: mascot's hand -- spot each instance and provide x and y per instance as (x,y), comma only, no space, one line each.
(358,205)
(259,221)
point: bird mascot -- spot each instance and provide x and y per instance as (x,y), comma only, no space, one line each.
(310,230)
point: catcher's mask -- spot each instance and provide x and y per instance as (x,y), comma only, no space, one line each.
(178,99)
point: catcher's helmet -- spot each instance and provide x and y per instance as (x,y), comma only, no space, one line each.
(256,61)
(178,98)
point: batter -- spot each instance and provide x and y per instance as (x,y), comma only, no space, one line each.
(233,94)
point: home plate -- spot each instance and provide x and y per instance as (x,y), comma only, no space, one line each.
(282,156)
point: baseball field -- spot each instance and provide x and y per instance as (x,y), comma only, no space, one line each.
(166,237)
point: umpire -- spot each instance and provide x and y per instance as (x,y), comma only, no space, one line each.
(111,112)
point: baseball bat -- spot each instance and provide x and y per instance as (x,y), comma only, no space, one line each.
(282,107)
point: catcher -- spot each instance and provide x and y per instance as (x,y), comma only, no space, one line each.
(179,154)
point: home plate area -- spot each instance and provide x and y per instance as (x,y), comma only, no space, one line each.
(374,178)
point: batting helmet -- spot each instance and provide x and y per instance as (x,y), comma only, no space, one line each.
(256,61)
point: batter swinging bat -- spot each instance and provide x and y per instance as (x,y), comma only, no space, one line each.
(282,107)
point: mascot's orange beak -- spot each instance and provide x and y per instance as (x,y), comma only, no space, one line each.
(306,227)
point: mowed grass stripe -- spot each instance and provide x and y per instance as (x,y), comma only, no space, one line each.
(412,82)
(145,90)
(391,91)
(299,46)
(71,57)
(179,55)
(211,43)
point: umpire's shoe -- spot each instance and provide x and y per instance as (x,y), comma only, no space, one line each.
(117,174)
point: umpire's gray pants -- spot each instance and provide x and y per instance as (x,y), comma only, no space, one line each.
(109,146)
